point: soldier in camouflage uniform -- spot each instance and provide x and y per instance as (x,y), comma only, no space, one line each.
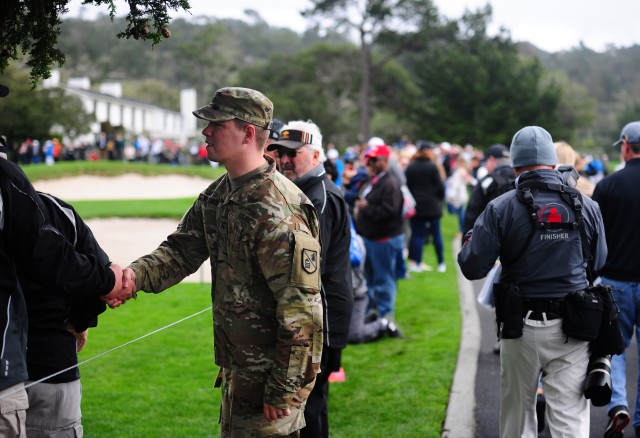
(301,158)
(261,235)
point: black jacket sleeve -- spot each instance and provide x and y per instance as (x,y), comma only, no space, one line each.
(38,247)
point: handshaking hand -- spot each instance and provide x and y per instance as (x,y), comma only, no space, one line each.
(119,294)
(129,281)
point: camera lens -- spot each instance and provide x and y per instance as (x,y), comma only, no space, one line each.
(597,386)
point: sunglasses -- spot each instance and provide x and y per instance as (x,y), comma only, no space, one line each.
(371,160)
(291,153)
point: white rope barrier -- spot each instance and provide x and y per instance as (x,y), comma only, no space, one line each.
(107,352)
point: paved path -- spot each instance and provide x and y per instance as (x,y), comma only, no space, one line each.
(475,413)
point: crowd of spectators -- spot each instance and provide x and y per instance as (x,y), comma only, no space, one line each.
(447,174)
(113,147)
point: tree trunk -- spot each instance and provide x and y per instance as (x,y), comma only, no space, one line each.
(365,90)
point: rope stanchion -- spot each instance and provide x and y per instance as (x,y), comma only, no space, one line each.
(106,352)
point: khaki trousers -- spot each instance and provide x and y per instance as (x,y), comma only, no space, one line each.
(12,412)
(54,410)
(544,347)
(241,413)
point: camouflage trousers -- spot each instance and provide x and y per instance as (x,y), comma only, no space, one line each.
(241,413)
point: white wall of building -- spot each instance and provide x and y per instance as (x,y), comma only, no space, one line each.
(134,116)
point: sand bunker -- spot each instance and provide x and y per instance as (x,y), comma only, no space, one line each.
(127,239)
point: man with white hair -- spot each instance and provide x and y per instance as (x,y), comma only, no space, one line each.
(301,158)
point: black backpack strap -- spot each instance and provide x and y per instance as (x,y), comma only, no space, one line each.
(575,200)
(525,196)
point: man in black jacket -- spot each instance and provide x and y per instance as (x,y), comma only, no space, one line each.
(58,328)
(619,200)
(29,242)
(498,181)
(301,155)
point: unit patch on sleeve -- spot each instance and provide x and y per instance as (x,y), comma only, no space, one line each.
(305,270)
(309,260)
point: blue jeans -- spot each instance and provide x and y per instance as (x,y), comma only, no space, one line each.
(627,295)
(380,270)
(418,237)
(401,265)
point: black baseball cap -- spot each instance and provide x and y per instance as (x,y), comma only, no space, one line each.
(274,131)
(497,151)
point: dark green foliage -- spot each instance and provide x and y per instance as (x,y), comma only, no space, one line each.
(478,90)
(611,79)
(33,113)
(323,84)
(31,27)
(389,27)
(204,53)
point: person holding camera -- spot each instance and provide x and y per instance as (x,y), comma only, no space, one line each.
(543,264)
(619,201)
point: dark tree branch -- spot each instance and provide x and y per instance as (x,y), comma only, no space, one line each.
(31,28)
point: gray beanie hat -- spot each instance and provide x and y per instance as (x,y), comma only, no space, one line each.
(531,146)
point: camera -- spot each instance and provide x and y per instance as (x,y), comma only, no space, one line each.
(569,174)
(597,386)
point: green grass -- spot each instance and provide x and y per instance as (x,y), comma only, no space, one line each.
(400,387)
(62,169)
(149,208)
(162,385)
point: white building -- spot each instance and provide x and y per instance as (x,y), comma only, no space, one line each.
(134,116)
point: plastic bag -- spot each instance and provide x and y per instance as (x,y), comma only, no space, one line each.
(409,203)
(485,297)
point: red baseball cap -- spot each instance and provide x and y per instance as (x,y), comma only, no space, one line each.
(381,150)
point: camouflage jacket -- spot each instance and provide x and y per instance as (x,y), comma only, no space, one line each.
(263,243)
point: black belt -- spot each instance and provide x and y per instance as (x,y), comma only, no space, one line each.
(535,307)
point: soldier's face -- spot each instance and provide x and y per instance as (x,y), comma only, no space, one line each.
(223,141)
(294,167)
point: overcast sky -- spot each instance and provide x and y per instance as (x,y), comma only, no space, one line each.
(551,25)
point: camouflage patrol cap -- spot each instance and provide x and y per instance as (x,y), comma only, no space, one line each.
(238,103)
